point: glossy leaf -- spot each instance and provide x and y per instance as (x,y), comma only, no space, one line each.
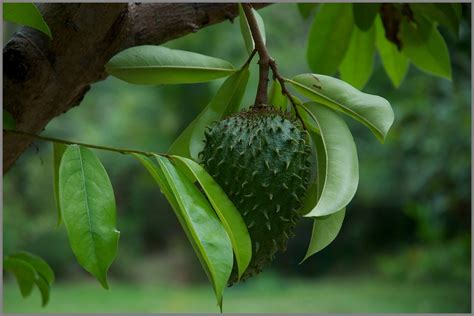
(245,28)
(38,264)
(277,98)
(371,110)
(446,14)
(425,47)
(364,14)
(8,121)
(24,274)
(339,182)
(206,230)
(25,14)
(58,151)
(157,173)
(150,64)
(356,68)
(200,224)
(306,8)
(225,209)
(329,37)
(394,62)
(88,210)
(226,101)
(325,230)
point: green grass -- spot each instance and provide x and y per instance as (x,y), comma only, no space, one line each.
(265,294)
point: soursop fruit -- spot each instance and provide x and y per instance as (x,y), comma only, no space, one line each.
(262,159)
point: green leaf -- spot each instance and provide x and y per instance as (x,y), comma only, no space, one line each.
(371,110)
(325,230)
(277,98)
(245,29)
(88,210)
(364,14)
(356,68)
(38,264)
(329,37)
(226,211)
(305,9)
(24,273)
(58,151)
(43,287)
(446,14)
(199,221)
(339,181)
(393,61)
(150,64)
(226,101)
(8,120)
(425,47)
(25,14)
(206,230)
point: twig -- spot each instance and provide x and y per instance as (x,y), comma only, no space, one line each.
(67,142)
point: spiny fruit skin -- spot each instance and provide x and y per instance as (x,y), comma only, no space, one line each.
(262,160)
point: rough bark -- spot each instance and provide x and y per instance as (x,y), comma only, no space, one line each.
(44,78)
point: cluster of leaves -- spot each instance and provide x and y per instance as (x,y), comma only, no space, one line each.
(344,38)
(213,225)
(30,270)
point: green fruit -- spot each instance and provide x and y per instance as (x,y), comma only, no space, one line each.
(262,160)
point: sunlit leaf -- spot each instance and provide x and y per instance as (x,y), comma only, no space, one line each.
(226,101)
(24,273)
(25,14)
(306,8)
(446,14)
(393,61)
(8,121)
(425,47)
(371,110)
(226,211)
(356,68)
(245,28)
(277,98)
(58,151)
(329,37)
(338,176)
(88,210)
(38,264)
(364,14)
(150,64)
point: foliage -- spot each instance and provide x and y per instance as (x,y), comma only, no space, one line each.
(409,34)
(159,65)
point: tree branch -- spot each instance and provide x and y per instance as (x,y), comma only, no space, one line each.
(44,78)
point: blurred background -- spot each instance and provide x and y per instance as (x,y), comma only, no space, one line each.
(405,245)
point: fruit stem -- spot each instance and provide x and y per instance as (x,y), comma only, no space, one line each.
(265,63)
(67,142)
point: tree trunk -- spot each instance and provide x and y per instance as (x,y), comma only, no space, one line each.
(44,78)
